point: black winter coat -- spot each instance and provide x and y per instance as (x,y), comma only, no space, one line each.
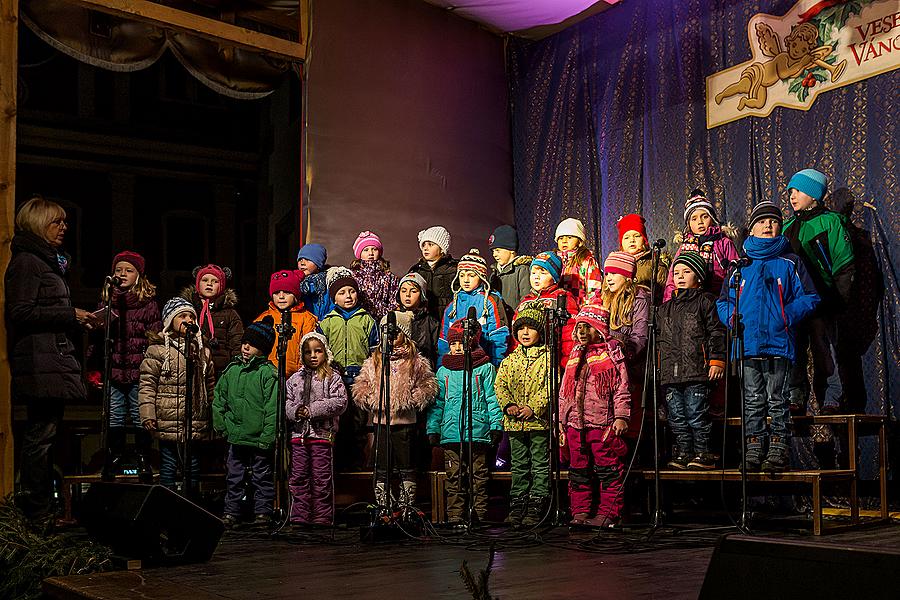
(40,319)
(425,332)
(438,280)
(690,336)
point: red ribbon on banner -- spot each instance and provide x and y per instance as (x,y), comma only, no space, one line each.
(819,7)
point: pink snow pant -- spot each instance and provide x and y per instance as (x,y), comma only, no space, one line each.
(595,463)
(312,483)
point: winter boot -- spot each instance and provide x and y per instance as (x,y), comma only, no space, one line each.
(537,507)
(680,459)
(517,507)
(381,498)
(408,493)
(777,458)
(754,453)
(142,443)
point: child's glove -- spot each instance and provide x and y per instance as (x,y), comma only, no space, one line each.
(496,436)
(434,439)
(94,379)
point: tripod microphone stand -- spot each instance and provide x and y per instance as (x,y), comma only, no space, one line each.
(468,326)
(651,386)
(286,331)
(107,473)
(190,331)
(383,428)
(736,370)
(555,319)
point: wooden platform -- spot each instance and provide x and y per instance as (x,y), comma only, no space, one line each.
(564,566)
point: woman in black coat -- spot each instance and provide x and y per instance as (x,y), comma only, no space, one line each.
(40,319)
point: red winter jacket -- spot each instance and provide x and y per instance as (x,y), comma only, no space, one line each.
(549,298)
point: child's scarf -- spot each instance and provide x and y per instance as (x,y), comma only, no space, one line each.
(601,372)
(456,362)
(703,244)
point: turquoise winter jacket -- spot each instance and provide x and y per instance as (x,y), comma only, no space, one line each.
(444,414)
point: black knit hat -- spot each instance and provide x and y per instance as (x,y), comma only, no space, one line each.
(765,210)
(695,262)
(504,237)
(260,335)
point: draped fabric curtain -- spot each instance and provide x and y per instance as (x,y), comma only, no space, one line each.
(124,45)
(608,117)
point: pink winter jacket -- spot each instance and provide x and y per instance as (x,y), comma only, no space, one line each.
(600,409)
(326,400)
(413,388)
(724,251)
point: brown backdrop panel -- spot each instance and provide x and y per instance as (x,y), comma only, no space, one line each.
(407,128)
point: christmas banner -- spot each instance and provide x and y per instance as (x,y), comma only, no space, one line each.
(818,46)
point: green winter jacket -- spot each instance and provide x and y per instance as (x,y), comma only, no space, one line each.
(351,335)
(444,414)
(522,380)
(245,402)
(820,238)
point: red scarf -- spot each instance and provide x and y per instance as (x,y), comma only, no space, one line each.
(601,372)
(456,362)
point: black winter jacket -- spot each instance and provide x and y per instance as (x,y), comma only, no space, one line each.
(40,319)
(690,336)
(438,280)
(425,332)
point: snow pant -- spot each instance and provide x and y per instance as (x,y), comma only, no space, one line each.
(312,482)
(595,463)
(259,462)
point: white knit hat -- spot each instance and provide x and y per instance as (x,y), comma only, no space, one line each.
(572,227)
(315,335)
(404,322)
(438,235)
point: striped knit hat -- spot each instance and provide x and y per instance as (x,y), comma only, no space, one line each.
(765,210)
(364,240)
(473,261)
(694,262)
(530,314)
(175,307)
(551,262)
(698,200)
(621,263)
(594,315)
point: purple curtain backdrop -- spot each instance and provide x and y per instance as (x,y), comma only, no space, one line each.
(608,118)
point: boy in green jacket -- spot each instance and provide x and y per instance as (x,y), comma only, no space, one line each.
(244,408)
(524,398)
(819,237)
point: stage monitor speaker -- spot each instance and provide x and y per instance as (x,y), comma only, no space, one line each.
(749,567)
(150,522)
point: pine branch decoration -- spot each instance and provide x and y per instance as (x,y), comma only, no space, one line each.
(479,589)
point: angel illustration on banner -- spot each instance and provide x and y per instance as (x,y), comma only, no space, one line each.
(802,53)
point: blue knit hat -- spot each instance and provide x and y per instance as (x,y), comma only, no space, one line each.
(175,307)
(549,261)
(261,335)
(315,253)
(811,182)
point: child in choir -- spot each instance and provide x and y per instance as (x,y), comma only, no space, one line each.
(819,237)
(511,273)
(413,299)
(219,321)
(437,268)
(244,412)
(161,394)
(316,398)
(445,428)
(377,284)
(629,307)
(703,234)
(633,240)
(580,276)
(594,412)
(691,344)
(412,388)
(312,261)
(475,291)
(284,289)
(523,393)
(776,294)
(352,335)
(135,314)
(546,270)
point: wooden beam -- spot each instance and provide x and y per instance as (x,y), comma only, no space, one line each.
(9,62)
(211,29)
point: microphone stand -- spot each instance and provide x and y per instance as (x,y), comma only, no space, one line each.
(107,473)
(384,428)
(467,408)
(651,386)
(555,319)
(285,331)
(187,475)
(736,370)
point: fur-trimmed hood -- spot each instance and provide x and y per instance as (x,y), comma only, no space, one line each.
(730,231)
(228,299)
(413,388)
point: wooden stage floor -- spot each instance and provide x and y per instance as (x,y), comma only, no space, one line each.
(561,565)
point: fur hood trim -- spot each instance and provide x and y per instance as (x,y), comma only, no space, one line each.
(229,299)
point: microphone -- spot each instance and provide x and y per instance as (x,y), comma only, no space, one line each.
(739,263)
(114,281)
(191,328)
(659,244)
(469,321)
(388,332)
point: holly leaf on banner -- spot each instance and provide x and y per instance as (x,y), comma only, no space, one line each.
(804,94)
(795,87)
(819,76)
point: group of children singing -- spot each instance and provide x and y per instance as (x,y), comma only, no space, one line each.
(787,292)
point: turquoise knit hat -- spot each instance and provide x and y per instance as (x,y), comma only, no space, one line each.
(551,262)
(811,182)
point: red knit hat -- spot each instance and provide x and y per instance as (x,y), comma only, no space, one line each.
(133,258)
(632,222)
(455,333)
(214,270)
(622,263)
(286,281)
(596,316)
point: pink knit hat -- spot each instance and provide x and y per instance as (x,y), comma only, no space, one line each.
(594,315)
(214,270)
(622,263)
(364,240)
(286,281)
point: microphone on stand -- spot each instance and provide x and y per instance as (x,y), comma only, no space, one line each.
(739,263)
(114,280)
(388,332)
(191,328)
(659,244)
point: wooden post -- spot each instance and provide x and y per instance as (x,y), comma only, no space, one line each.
(9,62)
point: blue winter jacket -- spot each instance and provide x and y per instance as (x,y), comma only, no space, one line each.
(491,313)
(314,293)
(444,415)
(776,293)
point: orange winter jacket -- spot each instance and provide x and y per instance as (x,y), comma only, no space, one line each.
(304,322)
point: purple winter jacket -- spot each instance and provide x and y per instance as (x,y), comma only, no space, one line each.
(326,400)
(634,337)
(129,332)
(724,251)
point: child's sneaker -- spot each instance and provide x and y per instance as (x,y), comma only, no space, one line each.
(229,521)
(704,461)
(578,520)
(602,521)
(262,519)
(679,461)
